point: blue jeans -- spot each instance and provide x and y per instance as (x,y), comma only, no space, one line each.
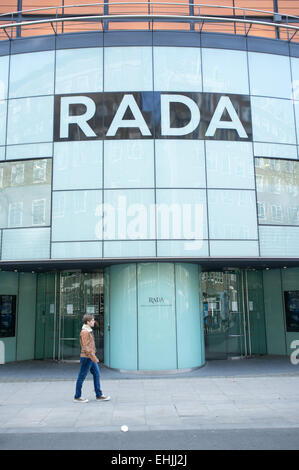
(87,365)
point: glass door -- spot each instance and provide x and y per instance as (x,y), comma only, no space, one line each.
(255,313)
(46,326)
(224,319)
(80,293)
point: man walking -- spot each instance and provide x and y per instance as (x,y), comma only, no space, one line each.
(88,361)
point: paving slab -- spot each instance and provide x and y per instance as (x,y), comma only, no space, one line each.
(37,397)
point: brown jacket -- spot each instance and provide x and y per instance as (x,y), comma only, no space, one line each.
(88,347)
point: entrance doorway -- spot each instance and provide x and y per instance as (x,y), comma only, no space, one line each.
(80,293)
(233,310)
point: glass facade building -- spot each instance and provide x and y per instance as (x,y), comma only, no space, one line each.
(149,175)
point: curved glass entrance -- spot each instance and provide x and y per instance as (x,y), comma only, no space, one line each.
(155,315)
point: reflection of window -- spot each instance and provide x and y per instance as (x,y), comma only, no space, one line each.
(261,210)
(277,186)
(59,204)
(260,182)
(227,197)
(39,212)
(80,201)
(39,171)
(277,183)
(7,315)
(276,212)
(291,299)
(294,215)
(22,204)
(17,174)
(15,214)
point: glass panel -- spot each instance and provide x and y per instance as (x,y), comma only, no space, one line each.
(277,183)
(291,299)
(46,331)
(181,214)
(270,75)
(25,193)
(273,120)
(296,106)
(28,243)
(156,321)
(129,214)
(129,249)
(31,74)
(77,250)
(190,340)
(295,77)
(3,77)
(79,294)
(7,315)
(33,117)
(177,68)
(123,317)
(230,165)
(3,114)
(223,315)
(226,248)
(76,215)
(29,151)
(187,168)
(77,165)
(182,248)
(135,69)
(279,241)
(275,150)
(232,214)
(257,343)
(224,71)
(79,70)
(129,164)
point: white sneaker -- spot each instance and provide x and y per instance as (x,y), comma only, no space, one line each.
(80,400)
(103,398)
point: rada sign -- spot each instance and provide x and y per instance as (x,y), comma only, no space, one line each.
(152,115)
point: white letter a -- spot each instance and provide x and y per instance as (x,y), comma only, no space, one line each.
(216,123)
(118,121)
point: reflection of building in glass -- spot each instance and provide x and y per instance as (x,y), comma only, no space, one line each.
(25,193)
(277,184)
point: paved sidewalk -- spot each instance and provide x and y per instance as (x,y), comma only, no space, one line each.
(36,396)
